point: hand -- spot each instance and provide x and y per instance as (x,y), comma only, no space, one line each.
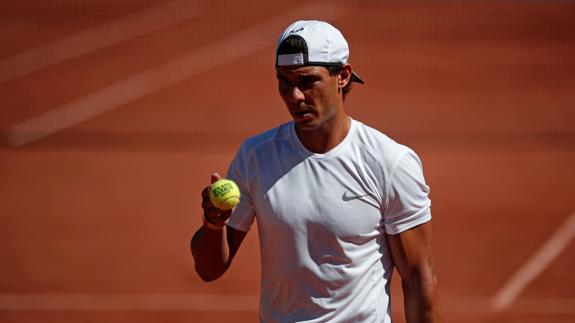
(212,214)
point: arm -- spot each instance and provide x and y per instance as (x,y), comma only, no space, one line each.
(214,246)
(411,254)
(214,250)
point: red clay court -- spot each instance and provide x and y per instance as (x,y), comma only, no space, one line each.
(114,115)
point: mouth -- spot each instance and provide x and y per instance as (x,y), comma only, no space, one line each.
(303,115)
(302,111)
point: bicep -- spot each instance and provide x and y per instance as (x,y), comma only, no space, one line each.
(411,253)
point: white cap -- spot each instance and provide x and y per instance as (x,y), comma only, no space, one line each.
(324,46)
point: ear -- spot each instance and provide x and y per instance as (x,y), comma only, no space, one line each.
(344,76)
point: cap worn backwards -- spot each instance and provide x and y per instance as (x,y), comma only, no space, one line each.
(321,44)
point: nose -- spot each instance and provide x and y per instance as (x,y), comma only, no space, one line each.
(296,94)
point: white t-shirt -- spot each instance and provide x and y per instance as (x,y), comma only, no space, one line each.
(322,218)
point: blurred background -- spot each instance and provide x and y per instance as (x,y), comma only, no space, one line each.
(113,115)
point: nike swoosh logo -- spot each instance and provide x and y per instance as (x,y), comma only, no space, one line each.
(347,198)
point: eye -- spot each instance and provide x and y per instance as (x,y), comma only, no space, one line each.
(307,82)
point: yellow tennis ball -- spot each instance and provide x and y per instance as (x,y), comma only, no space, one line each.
(224,194)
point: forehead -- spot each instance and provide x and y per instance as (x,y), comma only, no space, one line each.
(295,71)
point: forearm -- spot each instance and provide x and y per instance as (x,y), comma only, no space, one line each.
(421,300)
(211,252)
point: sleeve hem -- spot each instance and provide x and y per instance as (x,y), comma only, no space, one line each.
(399,229)
(238,227)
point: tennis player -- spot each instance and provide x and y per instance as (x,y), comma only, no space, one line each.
(338,204)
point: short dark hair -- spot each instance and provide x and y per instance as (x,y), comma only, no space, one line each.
(335,70)
(292,45)
(296,44)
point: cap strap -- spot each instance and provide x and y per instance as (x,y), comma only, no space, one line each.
(291,59)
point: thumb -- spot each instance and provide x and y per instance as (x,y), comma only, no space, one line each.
(215,177)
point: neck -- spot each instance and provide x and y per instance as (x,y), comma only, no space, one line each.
(327,137)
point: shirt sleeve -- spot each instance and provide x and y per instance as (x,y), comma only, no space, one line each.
(407,199)
(243,214)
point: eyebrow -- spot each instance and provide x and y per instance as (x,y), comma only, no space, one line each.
(305,75)
(310,76)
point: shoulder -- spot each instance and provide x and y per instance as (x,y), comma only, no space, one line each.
(265,140)
(380,147)
(254,148)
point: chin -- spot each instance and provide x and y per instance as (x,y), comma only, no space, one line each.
(307,125)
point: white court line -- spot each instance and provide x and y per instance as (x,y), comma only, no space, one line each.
(535,266)
(101,36)
(543,306)
(128,302)
(233,47)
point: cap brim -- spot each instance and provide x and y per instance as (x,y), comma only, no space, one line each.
(356,78)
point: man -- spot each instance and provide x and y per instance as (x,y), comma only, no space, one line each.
(338,204)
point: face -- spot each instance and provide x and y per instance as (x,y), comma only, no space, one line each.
(311,95)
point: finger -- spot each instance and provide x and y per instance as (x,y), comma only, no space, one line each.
(206,193)
(211,212)
(207,204)
(215,212)
(215,177)
(223,216)
(216,215)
